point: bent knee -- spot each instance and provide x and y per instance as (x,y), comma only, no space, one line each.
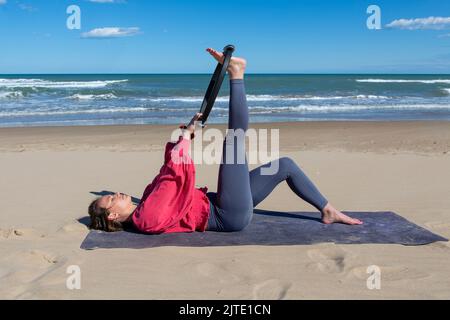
(287,162)
(286,166)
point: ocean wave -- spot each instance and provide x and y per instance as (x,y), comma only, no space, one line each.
(39,83)
(224,110)
(447,91)
(370,96)
(346,108)
(43,112)
(260,98)
(106,96)
(403,81)
(11,95)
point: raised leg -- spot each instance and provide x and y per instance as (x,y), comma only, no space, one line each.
(234,195)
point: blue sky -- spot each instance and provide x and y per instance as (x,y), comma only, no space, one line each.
(276,36)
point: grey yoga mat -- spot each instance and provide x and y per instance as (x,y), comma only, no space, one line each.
(279,228)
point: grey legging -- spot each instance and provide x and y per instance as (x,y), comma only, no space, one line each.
(239,190)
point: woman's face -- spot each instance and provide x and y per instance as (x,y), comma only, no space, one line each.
(117,203)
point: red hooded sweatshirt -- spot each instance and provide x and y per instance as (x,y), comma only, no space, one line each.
(172,203)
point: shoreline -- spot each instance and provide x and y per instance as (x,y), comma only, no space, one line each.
(420,137)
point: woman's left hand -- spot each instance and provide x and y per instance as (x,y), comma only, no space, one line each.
(190,128)
(191,125)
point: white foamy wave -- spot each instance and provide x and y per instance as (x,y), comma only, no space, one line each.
(49,112)
(39,83)
(180,99)
(224,110)
(446,91)
(197,99)
(403,81)
(309,97)
(11,95)
(93,96)
(370,96)
(345,108)
(332,108)
(64,112)
(261,98)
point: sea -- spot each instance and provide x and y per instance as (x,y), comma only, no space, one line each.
(118,99)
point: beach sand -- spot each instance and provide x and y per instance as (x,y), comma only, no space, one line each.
(48,175)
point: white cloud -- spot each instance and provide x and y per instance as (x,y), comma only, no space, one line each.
(2,2)
(111,32)
(433,23)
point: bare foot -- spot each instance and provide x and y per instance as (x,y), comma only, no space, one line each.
(237,65)
(331,215)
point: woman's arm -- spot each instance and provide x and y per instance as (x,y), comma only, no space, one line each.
(170,194)
(172,191)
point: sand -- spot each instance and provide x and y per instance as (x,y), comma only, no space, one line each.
(48,174)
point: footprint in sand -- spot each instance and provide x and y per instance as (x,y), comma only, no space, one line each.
(329,260)
(28,266)
(217,272)
(25,269)
(6,233)
(272,289)
(73,227)
(391,273)
(22,233)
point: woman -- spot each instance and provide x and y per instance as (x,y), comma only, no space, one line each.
(172,203)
